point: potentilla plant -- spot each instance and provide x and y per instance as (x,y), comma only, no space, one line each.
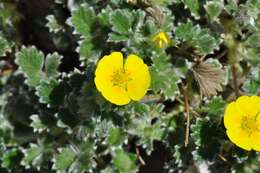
(129,86)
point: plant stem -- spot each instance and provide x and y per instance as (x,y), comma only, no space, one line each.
(139,156)
(234,75)
(187,109)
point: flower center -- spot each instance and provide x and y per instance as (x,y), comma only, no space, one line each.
(250,125)
(120,78)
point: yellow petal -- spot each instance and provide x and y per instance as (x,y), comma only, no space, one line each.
(255,104)
(255,141)
(105,68)
(139,77)
(244,104)
(232,116)
(116,95)
(164,37)
(240,138)
(161,39)
(103,79)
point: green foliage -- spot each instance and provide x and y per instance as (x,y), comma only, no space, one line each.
(37,124)
(82,19)
(124,162)
(53,118)
(32,63)
(53,24)
(215,107)
(115,136)
(52,63)
(64,159)
(145,129)
(4,46)
(194,6)
(44,90)
(126,24)
(205,135)
(85,159)
(33,156)
(121,21)
(198,38)
(214,9)
(164,79)
(10,159)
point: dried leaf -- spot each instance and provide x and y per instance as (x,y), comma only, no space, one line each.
(140,2)
(157,15)
(209,79)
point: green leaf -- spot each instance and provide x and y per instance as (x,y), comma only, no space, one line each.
(183,31)
(249,165)
(103,16)
(197,37)
(9,14)
(231,6)
(181,67)
(206,133)
(213,9)
(205,42)
(113,37)
(144,127)
(127,26)
(82,19)
(214,107)
(125,163)
(121,20)
(108,170)
(32,156)
(52,63)
(37,124)
(252,83)
(253,40)
(53,24)
(139,19)
(11,158)
(44,90)
(31,63)
(251,86)
(164,78)
(115,136)
(79,158)
(87,51)
(193,5)
(85,159)
(64,159)
(4,46)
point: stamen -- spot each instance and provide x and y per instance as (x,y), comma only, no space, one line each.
(120,78)
(249,125)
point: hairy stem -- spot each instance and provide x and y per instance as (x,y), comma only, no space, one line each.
(234,75)
(139,156)
(187,110)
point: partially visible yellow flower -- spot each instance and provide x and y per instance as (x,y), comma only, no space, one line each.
(120,82)
(242,121)
(161,39)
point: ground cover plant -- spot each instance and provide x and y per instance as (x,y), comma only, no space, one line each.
(129,86)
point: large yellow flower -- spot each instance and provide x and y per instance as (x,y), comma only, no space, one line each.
(161,39)
(119,81)
(242,121)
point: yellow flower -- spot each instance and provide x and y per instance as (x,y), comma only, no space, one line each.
(242,121)
(120,82)
(161,39)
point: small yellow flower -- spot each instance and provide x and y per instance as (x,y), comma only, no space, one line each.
(161,39)
(120,82)
(242,121)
